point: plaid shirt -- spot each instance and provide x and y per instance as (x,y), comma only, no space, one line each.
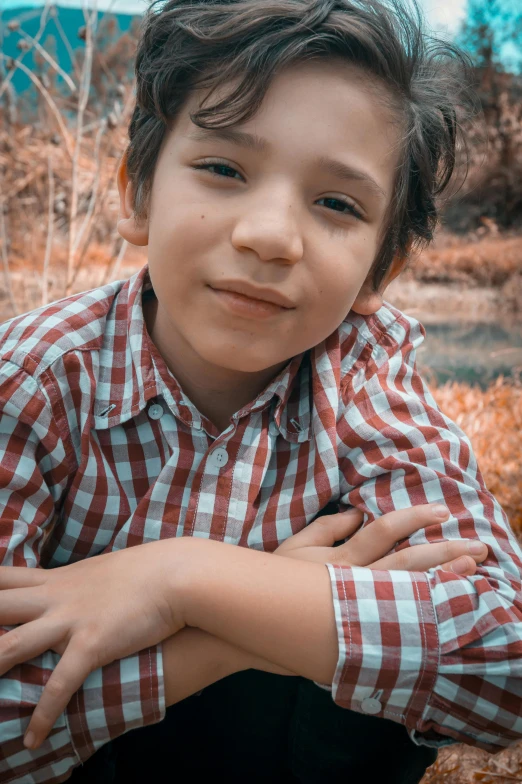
(101,450)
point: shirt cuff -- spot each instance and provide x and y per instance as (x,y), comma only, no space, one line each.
(388,642)
(119,697)
(323,686)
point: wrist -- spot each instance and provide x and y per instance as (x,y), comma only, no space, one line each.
(193,659)
(188,574)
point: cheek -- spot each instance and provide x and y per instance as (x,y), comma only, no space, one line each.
(338,286)
(181,240)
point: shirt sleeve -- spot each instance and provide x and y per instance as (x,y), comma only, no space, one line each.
(36,465)
(438,652)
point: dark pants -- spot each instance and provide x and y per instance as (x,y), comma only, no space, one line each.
(254,728)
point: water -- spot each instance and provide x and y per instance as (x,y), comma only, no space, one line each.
(474,353)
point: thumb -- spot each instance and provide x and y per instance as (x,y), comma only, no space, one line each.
(324,531)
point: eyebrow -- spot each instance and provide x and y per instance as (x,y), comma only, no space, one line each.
(342,171)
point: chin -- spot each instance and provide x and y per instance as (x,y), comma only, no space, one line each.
(244,360)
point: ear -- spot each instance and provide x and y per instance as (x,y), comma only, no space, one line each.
(369,300)
(135,232)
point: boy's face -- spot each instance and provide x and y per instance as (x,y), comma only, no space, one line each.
(274,218)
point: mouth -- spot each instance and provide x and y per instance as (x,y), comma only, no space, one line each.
(247,307)
(256,293)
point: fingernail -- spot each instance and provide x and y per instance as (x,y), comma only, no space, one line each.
(29,740)
(459,566)
(439,510)
(475,547)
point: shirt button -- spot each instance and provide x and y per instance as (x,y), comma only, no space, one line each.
(371,705)
(218,458)
(155,411)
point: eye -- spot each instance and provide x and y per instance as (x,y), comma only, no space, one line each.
(217,165)
(352,210)
(230,172)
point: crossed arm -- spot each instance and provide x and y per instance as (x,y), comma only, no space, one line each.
(100,610)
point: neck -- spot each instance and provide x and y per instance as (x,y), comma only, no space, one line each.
(217,392)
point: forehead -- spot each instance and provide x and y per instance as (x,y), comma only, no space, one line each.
(313,108)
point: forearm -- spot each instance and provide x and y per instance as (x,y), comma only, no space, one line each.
(278,608)
(194,659)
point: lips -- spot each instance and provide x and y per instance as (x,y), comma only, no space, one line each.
(247,307)
(255,293)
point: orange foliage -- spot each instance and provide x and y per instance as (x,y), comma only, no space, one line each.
(462,764)
(492,419)
(490,261)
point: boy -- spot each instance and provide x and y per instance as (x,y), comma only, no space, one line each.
(223,396)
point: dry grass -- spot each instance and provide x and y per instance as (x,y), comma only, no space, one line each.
(486,259)
(476,262)
(492,419)
(37,197)
(461,764)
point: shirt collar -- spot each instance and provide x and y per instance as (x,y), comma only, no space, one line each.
(133,372)
(127,378)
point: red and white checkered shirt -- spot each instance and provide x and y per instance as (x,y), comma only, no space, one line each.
(100,450)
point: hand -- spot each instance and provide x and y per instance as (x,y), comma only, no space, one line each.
(91,612)
(368,546)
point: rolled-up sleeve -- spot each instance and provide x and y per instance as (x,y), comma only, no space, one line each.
(36,464)
(435,651)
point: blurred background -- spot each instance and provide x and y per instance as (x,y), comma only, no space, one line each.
(66,95)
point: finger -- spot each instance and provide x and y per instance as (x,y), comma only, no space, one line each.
(68,676)
(21,577)
(24,643)
(325,531)
(421,557)
(465,565)
(20,605)
(378,538)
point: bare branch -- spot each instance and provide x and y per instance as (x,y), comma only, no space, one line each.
(50,224)
(18,62)
(112,271)
(94,187)
(84,97)
(54,109)
(52,62)
(5,260)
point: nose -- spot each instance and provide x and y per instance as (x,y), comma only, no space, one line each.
(268,226)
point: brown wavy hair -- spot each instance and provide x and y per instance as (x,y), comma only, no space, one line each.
(202,44)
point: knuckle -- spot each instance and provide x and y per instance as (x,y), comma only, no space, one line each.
(55,688)
(385,527)
(323,521)
(86,642)
(87,648)
(472,567)
(11,643)
(402,559)
(470,563)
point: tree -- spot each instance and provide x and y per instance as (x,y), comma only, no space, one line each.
(491,30)
(492,34)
